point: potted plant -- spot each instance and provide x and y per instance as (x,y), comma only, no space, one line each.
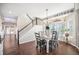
(66,33)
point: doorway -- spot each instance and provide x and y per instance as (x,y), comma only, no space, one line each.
(9,43)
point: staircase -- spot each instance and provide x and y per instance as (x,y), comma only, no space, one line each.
(26,34)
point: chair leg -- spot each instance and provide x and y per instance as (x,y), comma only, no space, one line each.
(40,49)
(57,44)
(50,49)
(37,46)
(45,48)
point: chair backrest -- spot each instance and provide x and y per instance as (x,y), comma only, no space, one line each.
(54,35)
(37,36)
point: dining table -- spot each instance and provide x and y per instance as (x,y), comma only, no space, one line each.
(47,37)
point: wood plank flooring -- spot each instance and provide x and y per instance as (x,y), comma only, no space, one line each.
(29,49)
(63,49)
(9,45)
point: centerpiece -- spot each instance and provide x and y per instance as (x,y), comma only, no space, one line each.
(47,27)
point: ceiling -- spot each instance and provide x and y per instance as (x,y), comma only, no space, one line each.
(33,9)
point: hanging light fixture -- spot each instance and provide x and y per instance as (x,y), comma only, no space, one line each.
(47,15)
(47,26)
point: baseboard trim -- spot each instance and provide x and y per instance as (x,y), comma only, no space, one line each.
(27,41)
(72,45)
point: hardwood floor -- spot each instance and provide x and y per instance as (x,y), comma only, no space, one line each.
(9,45)
(30,49)
(63,49)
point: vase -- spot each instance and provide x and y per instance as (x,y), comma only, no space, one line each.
(66,35)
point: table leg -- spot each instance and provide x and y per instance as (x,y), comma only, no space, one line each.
(47,46)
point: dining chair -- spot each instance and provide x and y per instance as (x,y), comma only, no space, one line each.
(38,39)
(43,45)
(41,42)
(53,43)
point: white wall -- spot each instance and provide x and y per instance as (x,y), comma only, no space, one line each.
(77,23)
(72,37)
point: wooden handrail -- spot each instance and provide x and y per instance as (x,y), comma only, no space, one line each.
(29,24)
(24,27)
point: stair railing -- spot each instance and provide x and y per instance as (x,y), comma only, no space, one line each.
(33,22)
